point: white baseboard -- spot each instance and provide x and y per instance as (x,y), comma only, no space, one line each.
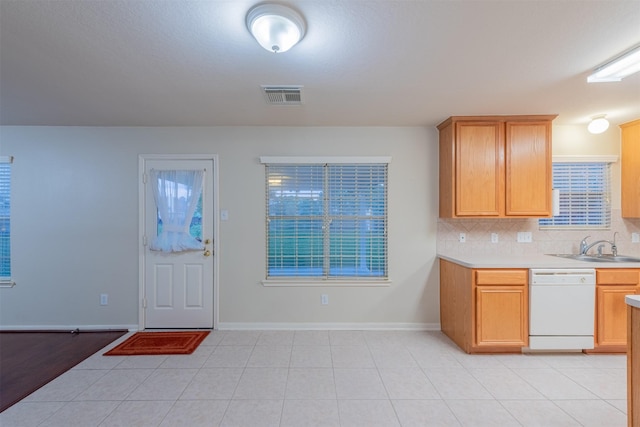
(86,328)
(242,326)
(245,326)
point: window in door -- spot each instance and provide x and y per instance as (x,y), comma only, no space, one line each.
(178,197)
(195,226)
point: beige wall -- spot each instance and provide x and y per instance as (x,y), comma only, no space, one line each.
(576,140)
(75,225)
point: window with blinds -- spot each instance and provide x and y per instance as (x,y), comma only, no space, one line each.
(326,221)
(585,196)
(5,219)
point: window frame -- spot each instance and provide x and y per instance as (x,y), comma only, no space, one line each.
(582,161)
(324,280)
(7,281)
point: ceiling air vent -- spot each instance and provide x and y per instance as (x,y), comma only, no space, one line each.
(283,95)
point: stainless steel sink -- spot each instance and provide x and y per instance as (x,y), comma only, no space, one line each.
(618,258)
(598,258)
(577,257)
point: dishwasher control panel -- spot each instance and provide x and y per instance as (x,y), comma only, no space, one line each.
(562,276)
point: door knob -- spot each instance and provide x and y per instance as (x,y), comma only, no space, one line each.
(207,252)
(207,241)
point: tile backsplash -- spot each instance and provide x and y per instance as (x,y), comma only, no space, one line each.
(478,236)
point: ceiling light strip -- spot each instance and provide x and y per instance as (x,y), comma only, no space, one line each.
(624,65)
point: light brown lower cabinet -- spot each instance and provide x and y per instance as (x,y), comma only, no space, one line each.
(501,316)
(484,310)
(487,310)
(612,285)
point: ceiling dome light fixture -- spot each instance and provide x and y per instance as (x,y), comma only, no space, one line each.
(598,124)
(276,27)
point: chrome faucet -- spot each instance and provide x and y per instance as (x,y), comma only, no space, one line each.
(584,247)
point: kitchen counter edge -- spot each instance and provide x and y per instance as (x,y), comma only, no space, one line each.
(633,300)
(528,261)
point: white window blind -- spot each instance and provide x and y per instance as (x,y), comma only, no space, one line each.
(5,219)
(585,196)
(326,221)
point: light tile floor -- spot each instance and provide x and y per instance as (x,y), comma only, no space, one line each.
(331,378)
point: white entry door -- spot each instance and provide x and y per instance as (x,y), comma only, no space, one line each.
(178,287)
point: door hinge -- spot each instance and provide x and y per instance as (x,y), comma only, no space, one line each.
(144,178)
(144,303)
(144,240)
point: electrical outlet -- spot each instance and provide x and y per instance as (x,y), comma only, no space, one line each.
(524,237)
(462,238)
(494,237)
(104,299)
(324,299)
(635,237)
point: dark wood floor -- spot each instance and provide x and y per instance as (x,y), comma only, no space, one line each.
(29,360)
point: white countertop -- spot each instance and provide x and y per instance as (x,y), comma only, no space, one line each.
(529,261)
(633,300)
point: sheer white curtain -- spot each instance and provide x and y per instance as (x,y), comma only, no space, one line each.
(176,193)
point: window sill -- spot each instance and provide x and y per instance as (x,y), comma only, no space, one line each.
(7,284)
(326,283)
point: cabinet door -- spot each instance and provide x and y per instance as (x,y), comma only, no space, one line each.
(611,314)
(630,169)
(479,168)
(502,316)
(528,169)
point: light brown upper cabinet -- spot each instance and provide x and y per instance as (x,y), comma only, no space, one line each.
(495,166)
(630,169)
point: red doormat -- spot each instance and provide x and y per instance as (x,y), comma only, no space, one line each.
(158,343)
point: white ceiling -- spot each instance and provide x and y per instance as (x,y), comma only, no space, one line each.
(362,63)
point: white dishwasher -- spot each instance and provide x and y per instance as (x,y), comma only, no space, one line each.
(561,308)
